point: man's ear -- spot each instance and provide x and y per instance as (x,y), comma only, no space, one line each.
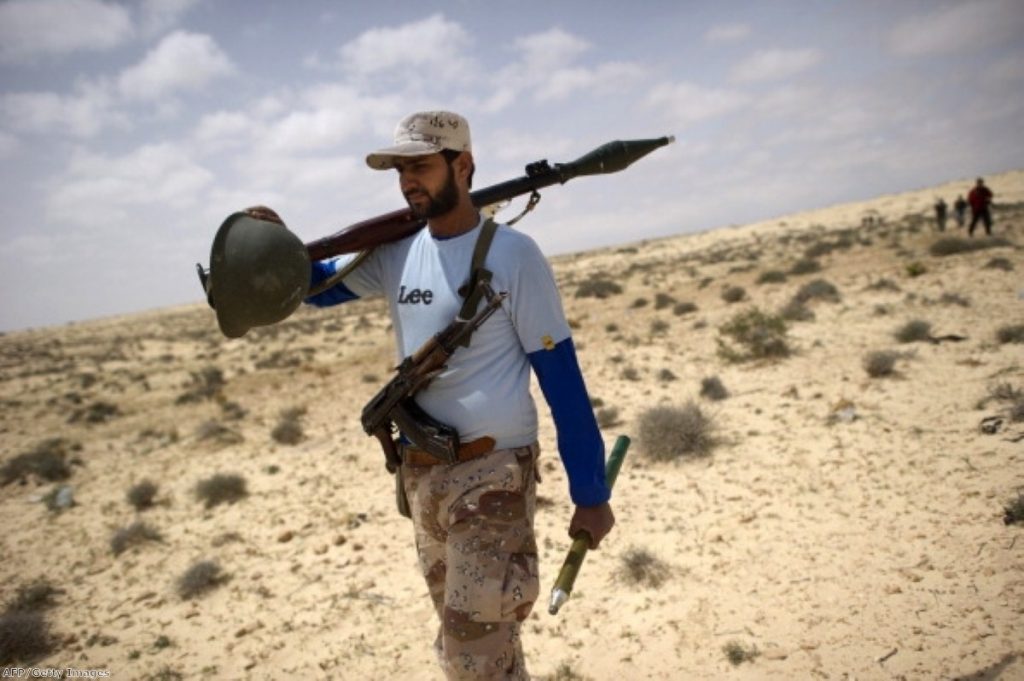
(464,166)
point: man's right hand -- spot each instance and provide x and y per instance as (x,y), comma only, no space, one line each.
(263,213)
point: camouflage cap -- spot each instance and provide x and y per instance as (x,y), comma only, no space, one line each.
(423,133)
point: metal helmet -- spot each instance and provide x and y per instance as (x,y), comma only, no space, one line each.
(259,274)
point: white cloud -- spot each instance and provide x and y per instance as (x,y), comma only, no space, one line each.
(101,191)
(727,33)
(774,64)
(156,16)
(687,103)
(182,61)
(225,128)
(82,114)
(8,144)
(550,49)
(957,27)
(331,115)
(34,28)
(429,51)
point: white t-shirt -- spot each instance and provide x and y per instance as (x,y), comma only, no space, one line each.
(485,389)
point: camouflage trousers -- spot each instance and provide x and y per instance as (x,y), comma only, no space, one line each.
(476,548)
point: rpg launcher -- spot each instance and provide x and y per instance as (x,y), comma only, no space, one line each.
(259,270)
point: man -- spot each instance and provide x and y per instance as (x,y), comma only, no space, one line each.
(473,520)
(980,198)
(940,214)
(959,209)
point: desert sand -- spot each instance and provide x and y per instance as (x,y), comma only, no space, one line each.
(845,526)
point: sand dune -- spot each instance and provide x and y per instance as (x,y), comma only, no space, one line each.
(845,526)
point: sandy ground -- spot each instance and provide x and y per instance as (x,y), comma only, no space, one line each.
(845,526)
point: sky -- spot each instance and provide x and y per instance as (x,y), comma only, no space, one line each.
(130,130)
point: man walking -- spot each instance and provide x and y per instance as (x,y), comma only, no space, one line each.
(980,199)
(473,520)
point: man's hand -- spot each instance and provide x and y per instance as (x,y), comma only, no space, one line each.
(596,521)
(263,213)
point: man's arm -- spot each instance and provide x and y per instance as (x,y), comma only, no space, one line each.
(337,294)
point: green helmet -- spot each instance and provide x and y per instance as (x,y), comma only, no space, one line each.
(259,274)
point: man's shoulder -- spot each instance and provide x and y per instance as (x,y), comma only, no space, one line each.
(512,241)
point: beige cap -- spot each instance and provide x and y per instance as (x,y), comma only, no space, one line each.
(423,133)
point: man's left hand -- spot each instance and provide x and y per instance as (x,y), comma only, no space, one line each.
(596,521)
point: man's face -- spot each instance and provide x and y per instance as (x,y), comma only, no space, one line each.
(428,185)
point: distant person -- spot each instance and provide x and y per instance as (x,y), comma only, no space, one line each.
(959,210)
(980,199)
(940,214)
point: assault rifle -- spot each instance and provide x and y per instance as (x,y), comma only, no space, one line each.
(394,406)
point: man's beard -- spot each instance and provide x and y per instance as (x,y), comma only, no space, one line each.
(444,202)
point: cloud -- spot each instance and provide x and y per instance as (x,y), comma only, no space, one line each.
(727,33)
(102,191)
(182,61)
(687,103)
(958,27)
(8,144)
(774,65)
(82,114)
(156,16)
(428,52)
(34,28)
(327,115)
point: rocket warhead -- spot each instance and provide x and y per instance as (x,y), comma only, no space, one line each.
(558,599)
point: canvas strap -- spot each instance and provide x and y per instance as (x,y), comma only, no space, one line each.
(477,273)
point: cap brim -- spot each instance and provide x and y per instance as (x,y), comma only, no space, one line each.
(384,159)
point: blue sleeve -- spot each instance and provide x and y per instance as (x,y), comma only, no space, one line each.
(579,440)
(337,294)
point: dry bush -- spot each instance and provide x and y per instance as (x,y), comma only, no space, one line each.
(205,384)
(565,672)
(1014,510)
(134,535)
(954,299)
(684,308)
(630,374)
(805,266)
(915,269)
(25,637)
(951,245)
(671,433)
(663,300)
(759,335)
(95,413)
(659,327)
(608,417)
(817,289)
(914,331)
(733,294)
(638,303)
(884,285)
(46,461)
(713,389)
(880,363)
(222,488)
(666,375)
(796,311)
(141,494)
(37,595)
(598,286)
(199,579)
(640,567)
(737,653)
(288,430)
(217,433)
(1000,263)
(772,277)
(1011,333)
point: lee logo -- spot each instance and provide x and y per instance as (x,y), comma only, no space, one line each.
(415,296)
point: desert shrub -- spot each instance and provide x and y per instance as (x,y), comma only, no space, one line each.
(663,300)
(713,388)
(884,285)
(218,433)
(666,375)
(565,672)
(1003,264)
(954,299)
(914,331)
(684,308)
(659,327)
(205,384)
(951,245)
(733,294)
(915,269)
(880,363)
(670,433)
(1011,333)
(200,579)
(598,286)
(141,494)
(805,266)
(737,653)
(1014,510)
(221,488)
(608,417)
(630,374)
(288,430)
(37,595)
(97,412)
(817,289)
(47,461)
(639,302)
(760,335)
(796,311)
(640,567)
(772,277)
(135,534)
(1016,411)
(232,411)
(24,637)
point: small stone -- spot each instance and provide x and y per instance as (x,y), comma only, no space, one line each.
(285,536)
(320,550)
(340,540)
(774,653)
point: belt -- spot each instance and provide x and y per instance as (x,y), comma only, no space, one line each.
(467,451)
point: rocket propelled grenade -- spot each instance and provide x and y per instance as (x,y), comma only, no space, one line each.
(580,545)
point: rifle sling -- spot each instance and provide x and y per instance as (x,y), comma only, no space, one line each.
(477,273)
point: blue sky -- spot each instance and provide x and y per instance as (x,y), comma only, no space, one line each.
(130,130)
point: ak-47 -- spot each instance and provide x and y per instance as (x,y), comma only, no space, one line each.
(394,406)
